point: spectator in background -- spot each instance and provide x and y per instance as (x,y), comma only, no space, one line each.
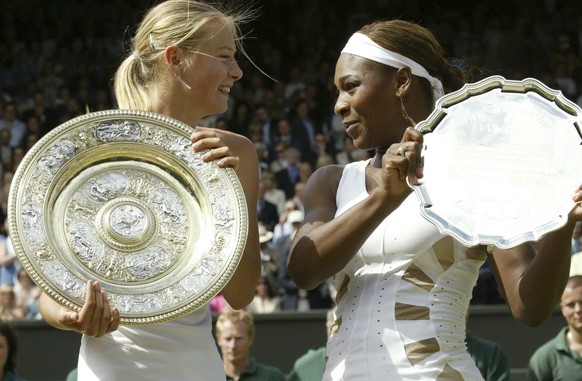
(235,334)
(289,174)
(559,358)
(489,356)
(304,129)
(310,366)
(5,149)
(267,212)
(12,123)
(269,259)
(491,359)
(47,115)
(27,295)
(266,124)
(272,193)
(8,353)
(350,153)
(290,293)
(265,301)
(9,309)
(9,264)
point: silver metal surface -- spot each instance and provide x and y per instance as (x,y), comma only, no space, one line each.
(502,159)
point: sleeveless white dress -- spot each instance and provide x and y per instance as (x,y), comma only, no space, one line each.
(183,349)
(403,298)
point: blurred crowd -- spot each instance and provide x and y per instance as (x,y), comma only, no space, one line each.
(57,60)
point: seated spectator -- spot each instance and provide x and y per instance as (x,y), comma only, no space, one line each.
(27,295)
(559,358)
(12,123)
(235,334)
(267,212)
(265,301)
(272,193)
(9,309)
(269,259)
(9,264)
(290,293)
(9,350)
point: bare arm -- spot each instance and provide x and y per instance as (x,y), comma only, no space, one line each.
(239,153)
(533,283)
(324,245)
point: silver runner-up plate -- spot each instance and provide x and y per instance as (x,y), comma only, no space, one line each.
(120,197)
(502,159)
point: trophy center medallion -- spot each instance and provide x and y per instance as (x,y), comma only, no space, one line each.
(125,224)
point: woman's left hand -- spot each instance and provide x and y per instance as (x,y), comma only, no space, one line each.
(208,139)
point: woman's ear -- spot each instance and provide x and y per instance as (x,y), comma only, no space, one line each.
(172,57)
(403,81)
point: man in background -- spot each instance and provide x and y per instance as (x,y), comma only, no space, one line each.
(235,334)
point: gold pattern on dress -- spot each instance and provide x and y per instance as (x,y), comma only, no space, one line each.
(342,289)
(411,312)
(420,350)
(449,374)
(417,277)
(477,252)
(445,252)
(335,326)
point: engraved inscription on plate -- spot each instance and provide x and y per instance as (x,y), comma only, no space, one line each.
(500,162)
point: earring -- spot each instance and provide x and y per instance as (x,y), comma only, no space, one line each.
(184,83)
(405,114)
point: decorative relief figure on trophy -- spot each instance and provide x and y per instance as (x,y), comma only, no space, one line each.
(121,130)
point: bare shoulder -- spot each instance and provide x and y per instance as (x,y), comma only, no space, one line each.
(325,180)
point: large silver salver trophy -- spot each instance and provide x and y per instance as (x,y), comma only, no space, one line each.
(502,160)
(120,197)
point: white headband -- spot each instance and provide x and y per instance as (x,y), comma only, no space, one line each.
(361,45)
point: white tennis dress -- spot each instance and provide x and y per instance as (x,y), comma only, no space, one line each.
(183,349)
(403,298)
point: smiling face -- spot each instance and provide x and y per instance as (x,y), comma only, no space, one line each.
(367,102)
(207,81)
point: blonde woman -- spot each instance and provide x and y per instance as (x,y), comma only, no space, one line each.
(182,65)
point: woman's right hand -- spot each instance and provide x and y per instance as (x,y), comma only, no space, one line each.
(96,318)
(402,161)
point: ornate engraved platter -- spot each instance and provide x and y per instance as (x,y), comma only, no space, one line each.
(120,197)
(502,159)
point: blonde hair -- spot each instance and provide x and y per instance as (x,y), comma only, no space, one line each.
(180,23)
(235,317)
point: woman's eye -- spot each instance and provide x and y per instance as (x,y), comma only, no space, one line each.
(227,58)
(350,86)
